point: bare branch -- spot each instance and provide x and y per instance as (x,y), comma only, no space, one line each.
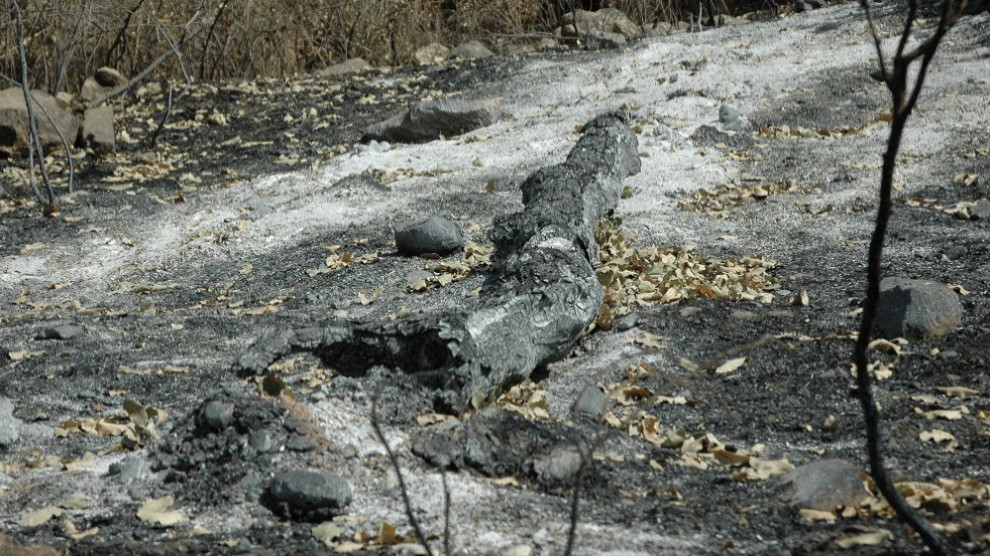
(398,471)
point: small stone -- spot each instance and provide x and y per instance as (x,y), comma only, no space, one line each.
(955,252)
(218,415)
(60,332)
(916,309)
(591,403)
(307,491)
(130,468)
(627,322)
(824,485)
(433,235)
(9,425)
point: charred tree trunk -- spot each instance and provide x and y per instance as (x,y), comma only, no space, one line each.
(544,293)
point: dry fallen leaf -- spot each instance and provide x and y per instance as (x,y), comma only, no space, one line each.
(937,436)
(40,516)
(816,515)
(731,365)
(871,538)
(958,391)
(158,511)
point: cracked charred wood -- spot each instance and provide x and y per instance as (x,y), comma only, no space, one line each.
(544,293)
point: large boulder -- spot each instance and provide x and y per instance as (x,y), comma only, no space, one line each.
(14,127)
(97,130)
(431,120)
(916,309)
(352,65)
(470,50)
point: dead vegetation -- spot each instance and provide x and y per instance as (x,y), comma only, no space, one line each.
(67,40)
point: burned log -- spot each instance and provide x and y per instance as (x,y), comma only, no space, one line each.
(544,291)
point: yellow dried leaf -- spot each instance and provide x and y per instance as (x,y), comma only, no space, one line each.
(958,391)
(505,481)
(40,516)
(158,511)
(816,515)
(731,365)
(938,436)
(865,539)
(947,414)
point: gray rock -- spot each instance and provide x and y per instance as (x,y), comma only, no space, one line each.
(109,77)
(60,332)
(92,91)
(433,235)
(916,309)
(353,65)
(14,129)
(431,54)
(560,466)
(591,403)
(955,252)
(627,322)
(470,50)
(300,443)
(218,415)
(732,119)
(9,425)
(97,130)
(823,485)
(307,491)
(981,210)
(431,120)
(131,468)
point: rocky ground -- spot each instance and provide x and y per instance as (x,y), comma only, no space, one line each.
(128,428)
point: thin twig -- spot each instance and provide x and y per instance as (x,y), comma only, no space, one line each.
(398,471)
(34,142)
(168,110)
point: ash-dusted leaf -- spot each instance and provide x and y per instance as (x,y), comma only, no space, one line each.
(505,481)
(75,501)
(731,365)
(808,514)
(40,516)
(872,538)
(947,414)
(958,391)
(326,532)
(938,436)
(158,511)
(70,531)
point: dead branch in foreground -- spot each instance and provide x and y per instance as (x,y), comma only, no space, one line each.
(903,97)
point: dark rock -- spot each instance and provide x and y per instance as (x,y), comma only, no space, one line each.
(824,485)
(431,120)
(591,403)
(916,309)
(470,50)
(9,425)
(60,332)
(218,415)
(301,493)
(955,252)
(433,235)
(14,130)
(300,443)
